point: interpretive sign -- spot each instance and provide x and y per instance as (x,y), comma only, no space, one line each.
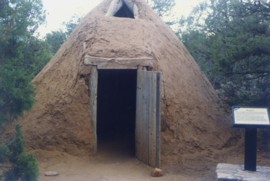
(247,116)
(250,119)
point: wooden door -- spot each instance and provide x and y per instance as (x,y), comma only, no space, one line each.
(148,118)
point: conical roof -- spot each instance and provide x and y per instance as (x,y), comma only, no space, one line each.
(192,114)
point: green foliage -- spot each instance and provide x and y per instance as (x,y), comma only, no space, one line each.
(162,7)
(9,175)
(19,19)
(27,167)
(24,165)
(3,118)
(56,38)
(4,153)
(21,55)
(16,92)
(17,145)
(71,25)
(36,54)
(230,40)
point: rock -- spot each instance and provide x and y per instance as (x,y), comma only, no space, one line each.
(157,172)
(51,173)
(230,172)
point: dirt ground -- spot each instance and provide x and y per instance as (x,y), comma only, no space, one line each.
(104,167)
(120,166)
(115,162)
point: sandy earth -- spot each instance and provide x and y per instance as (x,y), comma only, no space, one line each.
(114,162)
(110,165)
(103,168)
(120,166)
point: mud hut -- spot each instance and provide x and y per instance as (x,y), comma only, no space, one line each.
(124,76)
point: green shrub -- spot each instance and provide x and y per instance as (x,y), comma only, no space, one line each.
(16,145)
(25,169)
(4,153)
(27,166)
(3,119)
(9,175)
(24,165)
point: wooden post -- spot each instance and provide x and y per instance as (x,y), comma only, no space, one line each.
(93,86)
(158,116)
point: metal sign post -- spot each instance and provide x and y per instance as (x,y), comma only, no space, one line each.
(250,119)
(250,149)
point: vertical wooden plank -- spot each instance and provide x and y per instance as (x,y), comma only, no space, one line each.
(158,118)
(93,85)
(152,119)
(141,132)
(146,114)
(138,123)
(148,118)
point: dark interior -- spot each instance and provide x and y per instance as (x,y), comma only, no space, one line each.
(124,12)
(116,109)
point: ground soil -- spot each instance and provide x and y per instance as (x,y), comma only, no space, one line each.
(108,165)
(112,166)
(104,167)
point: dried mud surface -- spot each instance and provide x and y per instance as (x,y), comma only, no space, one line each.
(108,166)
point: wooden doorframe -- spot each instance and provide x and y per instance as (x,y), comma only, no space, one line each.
(93,88)
(153,131)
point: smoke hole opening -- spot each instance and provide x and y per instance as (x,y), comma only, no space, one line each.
(124,12)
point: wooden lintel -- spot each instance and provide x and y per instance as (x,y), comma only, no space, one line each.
(118,63)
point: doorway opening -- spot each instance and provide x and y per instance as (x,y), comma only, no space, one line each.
(116,111)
